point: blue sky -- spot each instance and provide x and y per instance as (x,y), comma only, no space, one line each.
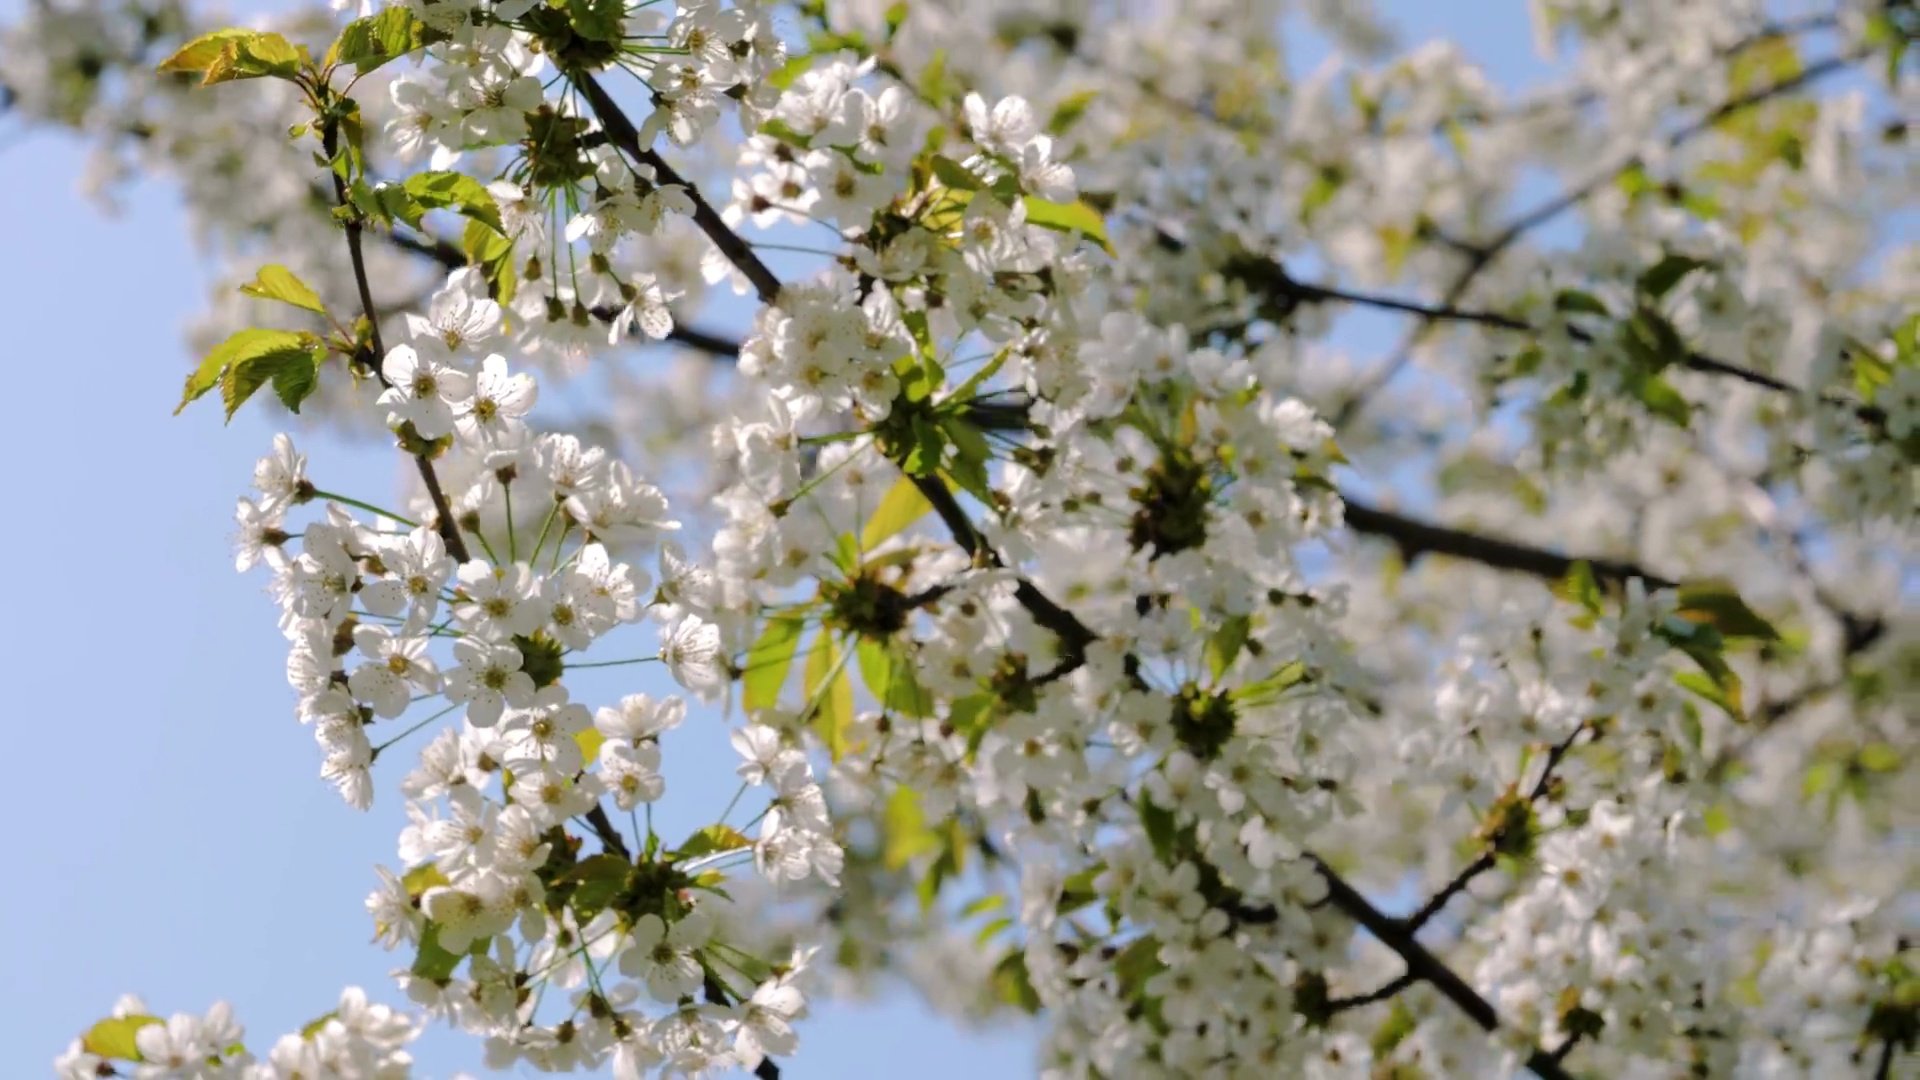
(176,841)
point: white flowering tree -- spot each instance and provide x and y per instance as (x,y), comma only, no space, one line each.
(1036,535)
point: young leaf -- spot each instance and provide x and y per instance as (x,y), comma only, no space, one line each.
(833,704)
(955,175)
(907,834)
(433,962)
(253,55)
(1074,217)
(458,192)
(276,282)
(369,42)
(1719,606)
(712,840)
(1659,279)
(114,1037)
(243,346)
(900,507)
(199,54)
(769,660)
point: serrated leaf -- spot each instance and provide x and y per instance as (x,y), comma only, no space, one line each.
(369,42)
(1718,605)
(199,54)
(243,346)
(114,1037)
(253,55)
(1073,217)
(276,282)
(769,661)
(456,191)
(290,370)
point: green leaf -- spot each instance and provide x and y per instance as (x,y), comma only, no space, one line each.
(900,507)
(907,834)
(421,878)
(433,962)
(1879,757)
(832,718)
(1580,587)
(712,840)
(1664,401)
(595,882)
(369,42)
(317,1024)
(444,190)
(981,905)
(1012,983)
(889,678)
(955,175)
(243,347)
(968,465)
(1719,606)
(1576,302)
(1659,279)
(1069,111)
(1703,645)
(1073,217)
(254,55)
(196,56)
(1708,690)
(114,1037)
(1225,644)
(589,740)
(1160,828)
(598,20)
(769,660)
(292,372)
(276,282)
(1652,340)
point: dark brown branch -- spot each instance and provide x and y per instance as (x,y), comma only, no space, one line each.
(1483,256)
(622,133)
(1274,281)
(1487,859)
(1423,965)
(1414,538)
(442,510)
(1401,982)
(450,257)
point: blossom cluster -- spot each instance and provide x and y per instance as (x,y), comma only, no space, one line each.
(1025,552)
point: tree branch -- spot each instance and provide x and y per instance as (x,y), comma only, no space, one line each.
(1423,965)
(1272,278)
(622,133)
(443,512)
(1483,256)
